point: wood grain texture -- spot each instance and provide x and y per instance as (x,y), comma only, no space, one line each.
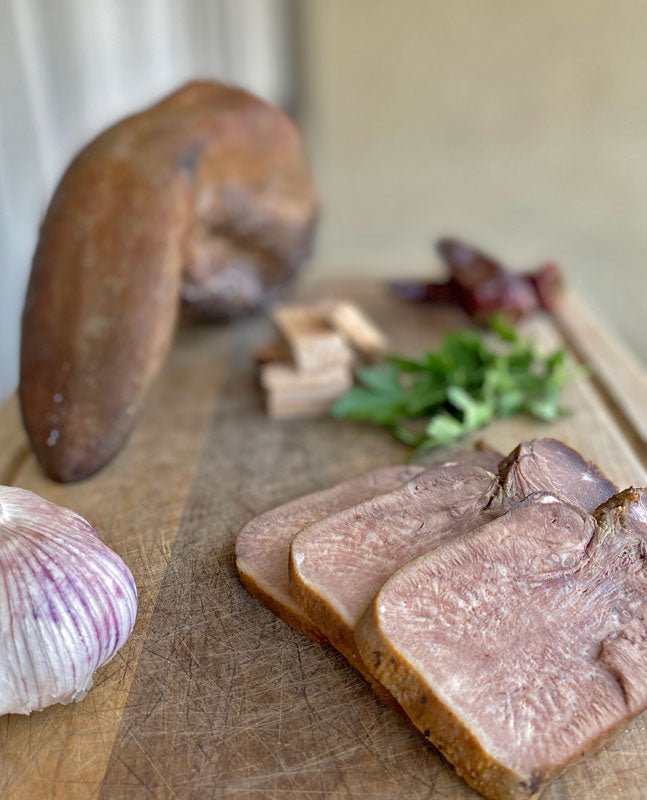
(214,697)
(616,370)
(136,506)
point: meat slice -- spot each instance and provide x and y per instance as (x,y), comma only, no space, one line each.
(523,645)
(262,547)
(551,466)
(338,564)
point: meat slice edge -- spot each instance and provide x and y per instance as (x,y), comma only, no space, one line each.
(500,645)
(262,546)
(549,465)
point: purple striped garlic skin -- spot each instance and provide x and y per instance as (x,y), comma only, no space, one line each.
(67,603)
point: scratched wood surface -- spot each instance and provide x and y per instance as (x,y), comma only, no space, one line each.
(213,697)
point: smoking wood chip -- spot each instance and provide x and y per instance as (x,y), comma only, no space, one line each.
(276,351)
(313,343)
(279,407)
(291,393)
(283,377)
(352,323)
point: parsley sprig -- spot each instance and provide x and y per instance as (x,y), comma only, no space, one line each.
(459,388)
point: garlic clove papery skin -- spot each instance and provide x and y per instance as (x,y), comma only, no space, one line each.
(67,603)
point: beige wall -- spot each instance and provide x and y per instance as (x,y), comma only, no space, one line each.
(520,125)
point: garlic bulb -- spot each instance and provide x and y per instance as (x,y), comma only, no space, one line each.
(67,603)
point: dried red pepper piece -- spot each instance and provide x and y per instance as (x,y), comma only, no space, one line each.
(483,286)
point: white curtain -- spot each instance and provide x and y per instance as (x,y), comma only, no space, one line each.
(68,68)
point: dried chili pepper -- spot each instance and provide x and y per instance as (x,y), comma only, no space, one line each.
(483,286)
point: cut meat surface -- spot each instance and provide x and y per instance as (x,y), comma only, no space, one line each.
(262,547)
(338,564)
(551,466)
(522,645)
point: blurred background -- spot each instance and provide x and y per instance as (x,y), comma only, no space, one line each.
(519,126)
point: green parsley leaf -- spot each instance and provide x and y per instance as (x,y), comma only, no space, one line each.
(460,387)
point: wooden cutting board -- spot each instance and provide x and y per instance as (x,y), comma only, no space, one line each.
(213,697)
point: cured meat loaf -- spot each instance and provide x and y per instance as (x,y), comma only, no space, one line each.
(205,195)
(338,564)
(263,545)
(519,647)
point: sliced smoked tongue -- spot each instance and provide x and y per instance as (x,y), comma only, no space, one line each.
(338,564)
(509,550)
(263,545)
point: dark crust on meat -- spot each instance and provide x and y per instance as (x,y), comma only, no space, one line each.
(337,632)
(302,624)
(297,621)
(315,608)
(616,507)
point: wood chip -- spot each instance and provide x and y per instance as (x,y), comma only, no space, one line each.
(287,378)
(351,322)
(313,343)
(270,353)
(279,407)
(291,393)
